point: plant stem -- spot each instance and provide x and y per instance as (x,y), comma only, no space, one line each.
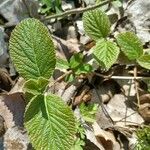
(61,77)
(74,11)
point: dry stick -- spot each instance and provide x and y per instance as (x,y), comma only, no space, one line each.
(136,86)
(103,76)
(129,78)
(126,106)
(120,77)
(74,11)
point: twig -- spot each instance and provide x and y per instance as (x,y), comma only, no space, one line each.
(103,76)
(110,76)
(74,11)
(61,77)
(129,78)
(136,86)
(58,79)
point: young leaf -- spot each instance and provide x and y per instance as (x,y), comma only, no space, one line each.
(88,112)
(106,53)
(78,145)
(144,61)
(61,63)
(35,86)
(96,24)
(69,78)
(32,49)
(76,60)
(53,125)
(130,45)
(84,68)
(78,65)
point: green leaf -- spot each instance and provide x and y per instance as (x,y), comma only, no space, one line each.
(35,86)
(106,53)
(69,78)
(88,112)
(76,60)
(50,123)
(32,49)
(80,129)
(130,45)
(80,138)
(34,106)
(78,145)
(117,3)
(96,24)
(143,138)
(144,61)
(61,63)
(84,68)
(46,2)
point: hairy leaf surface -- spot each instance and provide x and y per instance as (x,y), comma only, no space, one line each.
(130,45)
(50,123)
(32,49)
(106,53)
(96,24)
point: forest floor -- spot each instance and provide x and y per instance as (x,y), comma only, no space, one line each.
(112,105)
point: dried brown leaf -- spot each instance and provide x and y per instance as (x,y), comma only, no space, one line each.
(12,109)
(106,138)
(144,108)
(5,80)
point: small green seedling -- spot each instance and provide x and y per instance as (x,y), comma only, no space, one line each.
(80,136)
(48,6)
(88,112)
(76,63)
(50,123)
(143,139)
(106,52)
